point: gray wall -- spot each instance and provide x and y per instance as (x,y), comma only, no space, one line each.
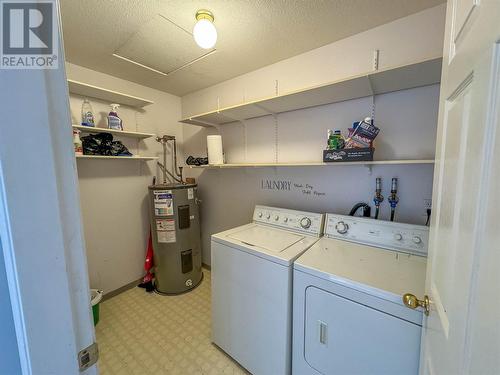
(408,125)
(8,341)
(113,193)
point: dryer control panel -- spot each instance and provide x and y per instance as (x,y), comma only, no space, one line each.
(406,238)
(300,221)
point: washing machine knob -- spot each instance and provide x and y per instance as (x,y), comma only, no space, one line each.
(276,217)
(285,220)
(268,216)
(259,214)
(398,236)
(305,222)
(417,239)
(342,227)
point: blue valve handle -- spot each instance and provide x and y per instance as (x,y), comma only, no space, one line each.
(393,201)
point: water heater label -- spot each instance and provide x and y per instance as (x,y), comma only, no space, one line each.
(165,230)
(164,202)
(190,193)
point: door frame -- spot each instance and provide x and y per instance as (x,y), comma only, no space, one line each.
(40,221)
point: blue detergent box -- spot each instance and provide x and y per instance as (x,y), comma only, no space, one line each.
(366,130)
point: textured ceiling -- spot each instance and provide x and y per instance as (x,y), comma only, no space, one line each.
(251,34)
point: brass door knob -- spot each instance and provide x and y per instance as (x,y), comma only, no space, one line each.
(413,302)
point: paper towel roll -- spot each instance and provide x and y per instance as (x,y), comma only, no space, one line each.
(214,149)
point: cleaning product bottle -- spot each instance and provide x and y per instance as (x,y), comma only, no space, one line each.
(114,122)
(339,140)
(87,114)
(329,141)
(77,142)
(335,140)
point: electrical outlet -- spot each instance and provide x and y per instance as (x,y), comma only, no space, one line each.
(427,204)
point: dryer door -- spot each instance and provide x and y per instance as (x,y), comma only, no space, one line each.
(345,337)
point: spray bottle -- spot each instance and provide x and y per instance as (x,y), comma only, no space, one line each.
(87,114)
(114,122)
(77,142)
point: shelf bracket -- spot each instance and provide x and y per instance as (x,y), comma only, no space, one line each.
(276,138)
(245,138)
(373,97)
(376,54)
(369,168)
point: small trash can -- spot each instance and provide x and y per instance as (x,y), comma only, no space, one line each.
(95,299)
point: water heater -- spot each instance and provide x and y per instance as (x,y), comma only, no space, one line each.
(175,227)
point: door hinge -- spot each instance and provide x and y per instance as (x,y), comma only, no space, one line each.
(88,356)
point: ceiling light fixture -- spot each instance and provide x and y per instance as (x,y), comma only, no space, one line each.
(204,32)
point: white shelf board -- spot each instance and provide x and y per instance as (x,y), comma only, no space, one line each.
(135,157)
(124,133)
(313,164)
(111,96)
(404,77)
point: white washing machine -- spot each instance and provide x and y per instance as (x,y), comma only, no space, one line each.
(348,314)
(252,286)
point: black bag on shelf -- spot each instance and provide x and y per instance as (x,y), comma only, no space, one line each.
(103,144)
(97,144)
(196,161)
(119,149)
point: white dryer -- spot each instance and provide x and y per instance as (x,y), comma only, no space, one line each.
(252,286)
(348,314)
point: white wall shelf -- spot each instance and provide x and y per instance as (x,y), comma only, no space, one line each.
(88,129)
(135,157)
(111,96)
(313,164)
(404,77)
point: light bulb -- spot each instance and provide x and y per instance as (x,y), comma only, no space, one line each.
(205,34)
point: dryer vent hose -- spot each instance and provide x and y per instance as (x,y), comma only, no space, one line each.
(366,209)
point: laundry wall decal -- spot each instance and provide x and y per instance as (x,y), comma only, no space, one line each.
(275,184)
(287,185)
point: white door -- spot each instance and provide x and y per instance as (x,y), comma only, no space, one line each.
(41,247)
(462,332)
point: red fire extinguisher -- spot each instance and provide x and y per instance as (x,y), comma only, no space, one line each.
(147,280)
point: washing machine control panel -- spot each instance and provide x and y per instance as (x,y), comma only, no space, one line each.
(390,235)
(306,222)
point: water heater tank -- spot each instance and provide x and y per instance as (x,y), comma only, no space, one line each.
(175,226)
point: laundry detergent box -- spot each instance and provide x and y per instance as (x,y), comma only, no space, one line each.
(348,154)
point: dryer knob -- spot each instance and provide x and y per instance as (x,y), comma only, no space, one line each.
(342,227)
(276,217)
(305,222)
(398,236)
(417,239)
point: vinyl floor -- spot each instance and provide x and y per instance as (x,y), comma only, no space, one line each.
(145,333)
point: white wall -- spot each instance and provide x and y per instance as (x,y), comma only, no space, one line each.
(407,120)
(408,125)
(114,192)
(409,39)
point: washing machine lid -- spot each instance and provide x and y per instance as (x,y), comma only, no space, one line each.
(383,273)
(275,244)
(267,238)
